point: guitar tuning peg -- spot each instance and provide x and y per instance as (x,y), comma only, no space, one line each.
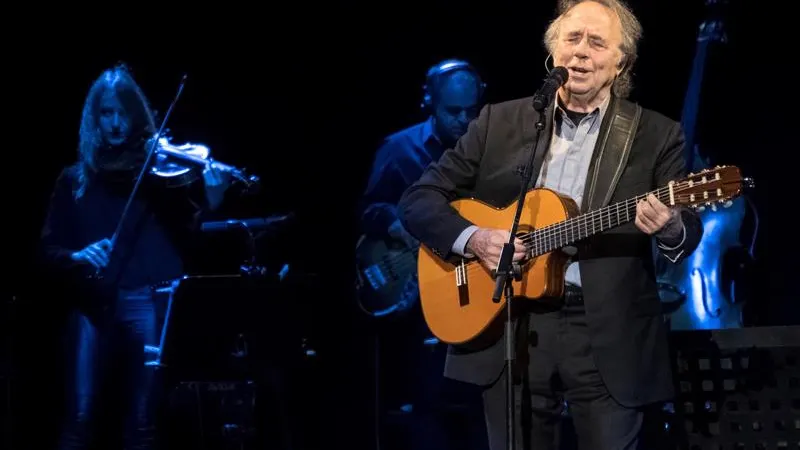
(727,204)
(713,207)
(701,208)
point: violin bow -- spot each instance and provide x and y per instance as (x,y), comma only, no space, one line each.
(145,166)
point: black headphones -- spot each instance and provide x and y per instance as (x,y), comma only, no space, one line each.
(436,72)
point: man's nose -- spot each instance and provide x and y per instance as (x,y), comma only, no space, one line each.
(581,49)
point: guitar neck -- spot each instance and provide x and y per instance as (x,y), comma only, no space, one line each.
(561,234)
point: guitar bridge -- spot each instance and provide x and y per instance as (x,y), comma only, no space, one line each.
(461,274)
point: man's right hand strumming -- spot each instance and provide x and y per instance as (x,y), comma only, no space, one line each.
(487,243)
(95,254)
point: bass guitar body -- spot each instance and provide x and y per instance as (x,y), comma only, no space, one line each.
(386,276)
(456,296)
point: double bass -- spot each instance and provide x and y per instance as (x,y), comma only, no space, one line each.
(707,290)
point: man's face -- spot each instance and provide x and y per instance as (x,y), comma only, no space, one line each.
(115,124)
(588,46)
(457,105)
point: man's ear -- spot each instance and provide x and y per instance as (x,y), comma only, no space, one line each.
(621,65)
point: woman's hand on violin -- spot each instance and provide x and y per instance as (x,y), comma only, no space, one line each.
(216,183)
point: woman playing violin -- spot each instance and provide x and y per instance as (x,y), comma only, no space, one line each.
(116,318)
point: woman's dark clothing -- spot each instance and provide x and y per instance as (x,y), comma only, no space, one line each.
(116,316)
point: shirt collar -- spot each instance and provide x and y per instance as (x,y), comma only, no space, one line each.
(428,133)
(599,110)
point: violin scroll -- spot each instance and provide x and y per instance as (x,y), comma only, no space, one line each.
(182,163)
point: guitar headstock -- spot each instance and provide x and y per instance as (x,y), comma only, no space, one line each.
(710,187)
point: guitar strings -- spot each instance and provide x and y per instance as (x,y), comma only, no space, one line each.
(474,265)
(545,238)
(549,238)
(661,193)
(552,237)
(551,234)
(541,238)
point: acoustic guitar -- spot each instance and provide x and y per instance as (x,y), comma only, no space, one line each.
(456,295)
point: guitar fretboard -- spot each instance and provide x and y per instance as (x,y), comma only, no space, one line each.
(558,235)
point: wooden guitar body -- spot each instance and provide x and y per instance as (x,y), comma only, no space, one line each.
(456,296)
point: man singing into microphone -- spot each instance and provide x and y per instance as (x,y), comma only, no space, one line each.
(601,348)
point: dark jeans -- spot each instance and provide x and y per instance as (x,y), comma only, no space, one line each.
(557,367)
(111,384)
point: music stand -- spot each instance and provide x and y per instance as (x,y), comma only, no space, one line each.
(223,337)
(215,324)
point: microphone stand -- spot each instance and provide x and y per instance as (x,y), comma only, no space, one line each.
(506,268)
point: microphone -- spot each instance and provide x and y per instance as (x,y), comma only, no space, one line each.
(554,80)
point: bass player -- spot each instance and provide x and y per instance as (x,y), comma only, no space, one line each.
(453,93)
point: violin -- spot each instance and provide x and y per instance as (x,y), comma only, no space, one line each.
(181,165)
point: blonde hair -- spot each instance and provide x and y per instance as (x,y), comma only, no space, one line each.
(631,33)
(119,80)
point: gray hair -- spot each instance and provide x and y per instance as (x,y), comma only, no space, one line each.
(631,33)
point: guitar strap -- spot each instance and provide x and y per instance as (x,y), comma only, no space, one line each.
(611,152)
(609,159)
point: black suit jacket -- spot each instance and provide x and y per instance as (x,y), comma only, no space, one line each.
(617,266)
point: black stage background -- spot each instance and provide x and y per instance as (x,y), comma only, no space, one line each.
(305,109)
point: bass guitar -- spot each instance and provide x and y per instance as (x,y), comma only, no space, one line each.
(386,275)
(456,295)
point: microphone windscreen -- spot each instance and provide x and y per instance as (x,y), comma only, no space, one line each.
(560,74)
